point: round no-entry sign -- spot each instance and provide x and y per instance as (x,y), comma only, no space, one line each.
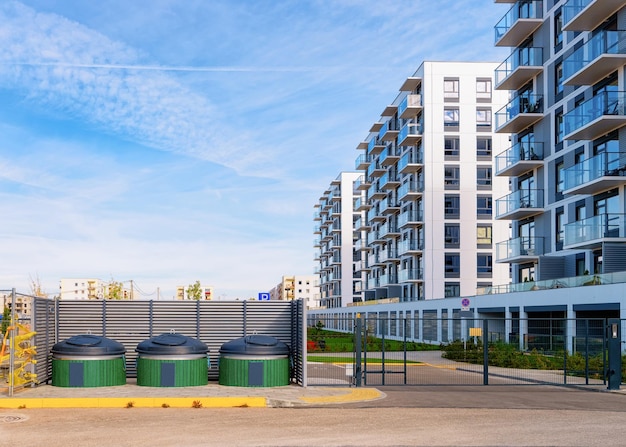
(465,302)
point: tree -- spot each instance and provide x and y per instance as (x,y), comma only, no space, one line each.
(194,291)
(115,290)
(6,320)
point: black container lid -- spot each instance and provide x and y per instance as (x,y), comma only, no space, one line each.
(171,344)
(255,345)
(89,345)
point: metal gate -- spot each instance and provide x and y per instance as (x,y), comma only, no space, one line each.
(378,351)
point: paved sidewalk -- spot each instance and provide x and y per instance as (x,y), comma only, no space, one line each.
(211,396)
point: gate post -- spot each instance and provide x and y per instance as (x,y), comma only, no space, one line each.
(614,372)
(357,349)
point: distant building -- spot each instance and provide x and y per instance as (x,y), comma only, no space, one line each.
(23,304)
(298,287)
(207,293)
(83,289)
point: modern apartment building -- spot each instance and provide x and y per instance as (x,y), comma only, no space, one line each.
(82,289)
(337,219)
(429,229)
(298,287)
(567,158)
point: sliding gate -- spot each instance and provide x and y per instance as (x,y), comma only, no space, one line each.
(375,351)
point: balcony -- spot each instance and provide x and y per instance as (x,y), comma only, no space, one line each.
(388,156)
(519,158)
(411,190)
(389,131)
(600,56)
(593,232)
(376,192)
(595,117)
(360,184)
(410,106)
(520,204)
(410,218)
(374,216)
(362,162)
(600,173)
(387,182)
(361,225)
(375,169)
(361,204)
(361,245)
(375,237)
(389,231)
(410,134)
(388,278)
(522,112)
(410,246)
(411,161)
(519,250)
(519,23)
(586,15)
(375,146)
(519,68)
(388,207)
(411,275)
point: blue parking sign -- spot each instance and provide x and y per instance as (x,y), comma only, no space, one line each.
(264,296)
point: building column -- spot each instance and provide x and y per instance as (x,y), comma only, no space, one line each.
(570,331)
(508,324)
(450,326)
(439,325)
(523,329)
(420,326)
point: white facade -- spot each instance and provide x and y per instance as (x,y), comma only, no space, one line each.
(298,287)
(82,289)
(335,218)
(428,166)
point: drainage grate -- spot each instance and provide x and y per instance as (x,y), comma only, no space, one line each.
(13,418)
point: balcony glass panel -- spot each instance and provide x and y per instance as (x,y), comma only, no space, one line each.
(521,57)
(605,42)
(410,216)
(595,228)
(604,103)
(520,10)
(410,245)
(521,151)
(411,275)
(605,164)
(518,247)
(373,142)
(413,156)
(523,198)
(362,160)
(416,186)
(572,8)
(409,101)
(525,103)
(409,129)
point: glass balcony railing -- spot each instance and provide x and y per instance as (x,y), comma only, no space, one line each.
(604,103)
(604,164)
(605,42)
(521,10)
(388,126)
(409,133)
(572,8)
(521,57)
(595,228)
(411,275)
(524,103)
(413,156)
(519,247)
(521,151)
(410,245)
(362,161)
(408,103)
(519,200)
(410,216)
(372,143)
(416,186)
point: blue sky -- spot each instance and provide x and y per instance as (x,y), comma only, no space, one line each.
(169,141)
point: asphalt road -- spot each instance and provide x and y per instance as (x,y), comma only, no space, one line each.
(406,416)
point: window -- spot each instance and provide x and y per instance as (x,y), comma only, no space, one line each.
(483,177)
(451,206)
(451,147)
(452,289)
(558,79)
(483,207)
(483,117)
(558,31)
(559,128)
(451,117)
(559,227)
(483,147)
(483,236)
(483,89)
(559,177)
(451,89)
(484,266)
(452,265)
(452,236)
(451,177)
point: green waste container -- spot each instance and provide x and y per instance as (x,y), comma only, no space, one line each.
(87,360)
(172,360)
(254,361)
